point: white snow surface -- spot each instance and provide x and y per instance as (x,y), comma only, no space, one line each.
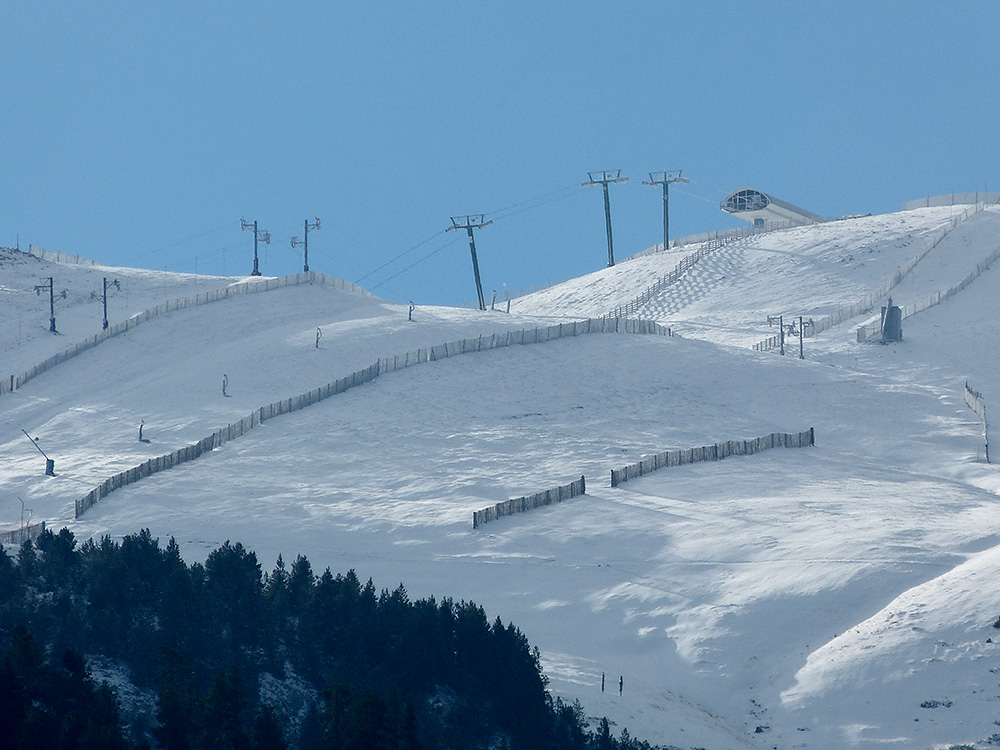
(838,596)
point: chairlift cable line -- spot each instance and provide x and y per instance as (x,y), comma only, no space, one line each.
(699,197)
(393,260)
(186,239)
(538,205)
(530,200)
(710,187)
(434,236)
(177,262)
(404,270)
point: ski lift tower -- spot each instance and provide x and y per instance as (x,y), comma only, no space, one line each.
(50,285)
(305,243)
(665,178)
(469,223)
(258,234)
(605,178)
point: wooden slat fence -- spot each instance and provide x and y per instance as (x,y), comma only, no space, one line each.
(974,400)
(871,300)
(54,257)
(683,266)
(529,502)
(13,382)
(873,328)
(19,536)
(366,375)
(715,452)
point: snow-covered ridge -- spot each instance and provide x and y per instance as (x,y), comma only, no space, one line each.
(853,310)
(840,597)
(251,285)
(57,257)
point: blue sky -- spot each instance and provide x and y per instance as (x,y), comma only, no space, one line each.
(141,133)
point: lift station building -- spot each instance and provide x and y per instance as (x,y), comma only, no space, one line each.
(763,210)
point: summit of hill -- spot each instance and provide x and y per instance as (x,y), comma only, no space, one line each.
(839,595)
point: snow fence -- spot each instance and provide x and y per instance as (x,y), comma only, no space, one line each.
(530,502)
(974,400)
(873,328)
(12,383)
(952,199)
(21,535)
(715,452)
(366,375)
(48,255)
(686,263)
(870,301)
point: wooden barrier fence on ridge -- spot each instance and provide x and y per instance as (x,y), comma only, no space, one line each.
(366,375)
(715,452)
(11,383)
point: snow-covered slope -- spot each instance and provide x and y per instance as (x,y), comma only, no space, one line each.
(728,296)
(820,595)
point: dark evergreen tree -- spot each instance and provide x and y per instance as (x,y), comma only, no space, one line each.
(27,561)
(10,588)
(53,706)
(267,733)
(226,713)
(569,722)
(235,591)
(392,672)
(409,733)
(603,739)
(59,565)
(179,700)
(311,734)
(301,582)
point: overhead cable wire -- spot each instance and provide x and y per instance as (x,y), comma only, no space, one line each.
(430,282)
(531,200)
(699,197)
(416,263)
(710,187)
(497,214)
(538,205)
(177,262)
(186,239)
(405,252)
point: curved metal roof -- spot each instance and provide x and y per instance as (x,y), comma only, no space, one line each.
(745,199)
(750,204)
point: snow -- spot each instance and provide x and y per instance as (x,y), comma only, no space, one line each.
(820,594)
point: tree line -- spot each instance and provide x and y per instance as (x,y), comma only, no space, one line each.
(360,669)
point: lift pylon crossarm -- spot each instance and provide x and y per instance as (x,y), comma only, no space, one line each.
(473,221)
(670,175)
(604,177)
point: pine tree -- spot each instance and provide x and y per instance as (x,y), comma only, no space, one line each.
(602,739)
(224,721)
(267,734)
